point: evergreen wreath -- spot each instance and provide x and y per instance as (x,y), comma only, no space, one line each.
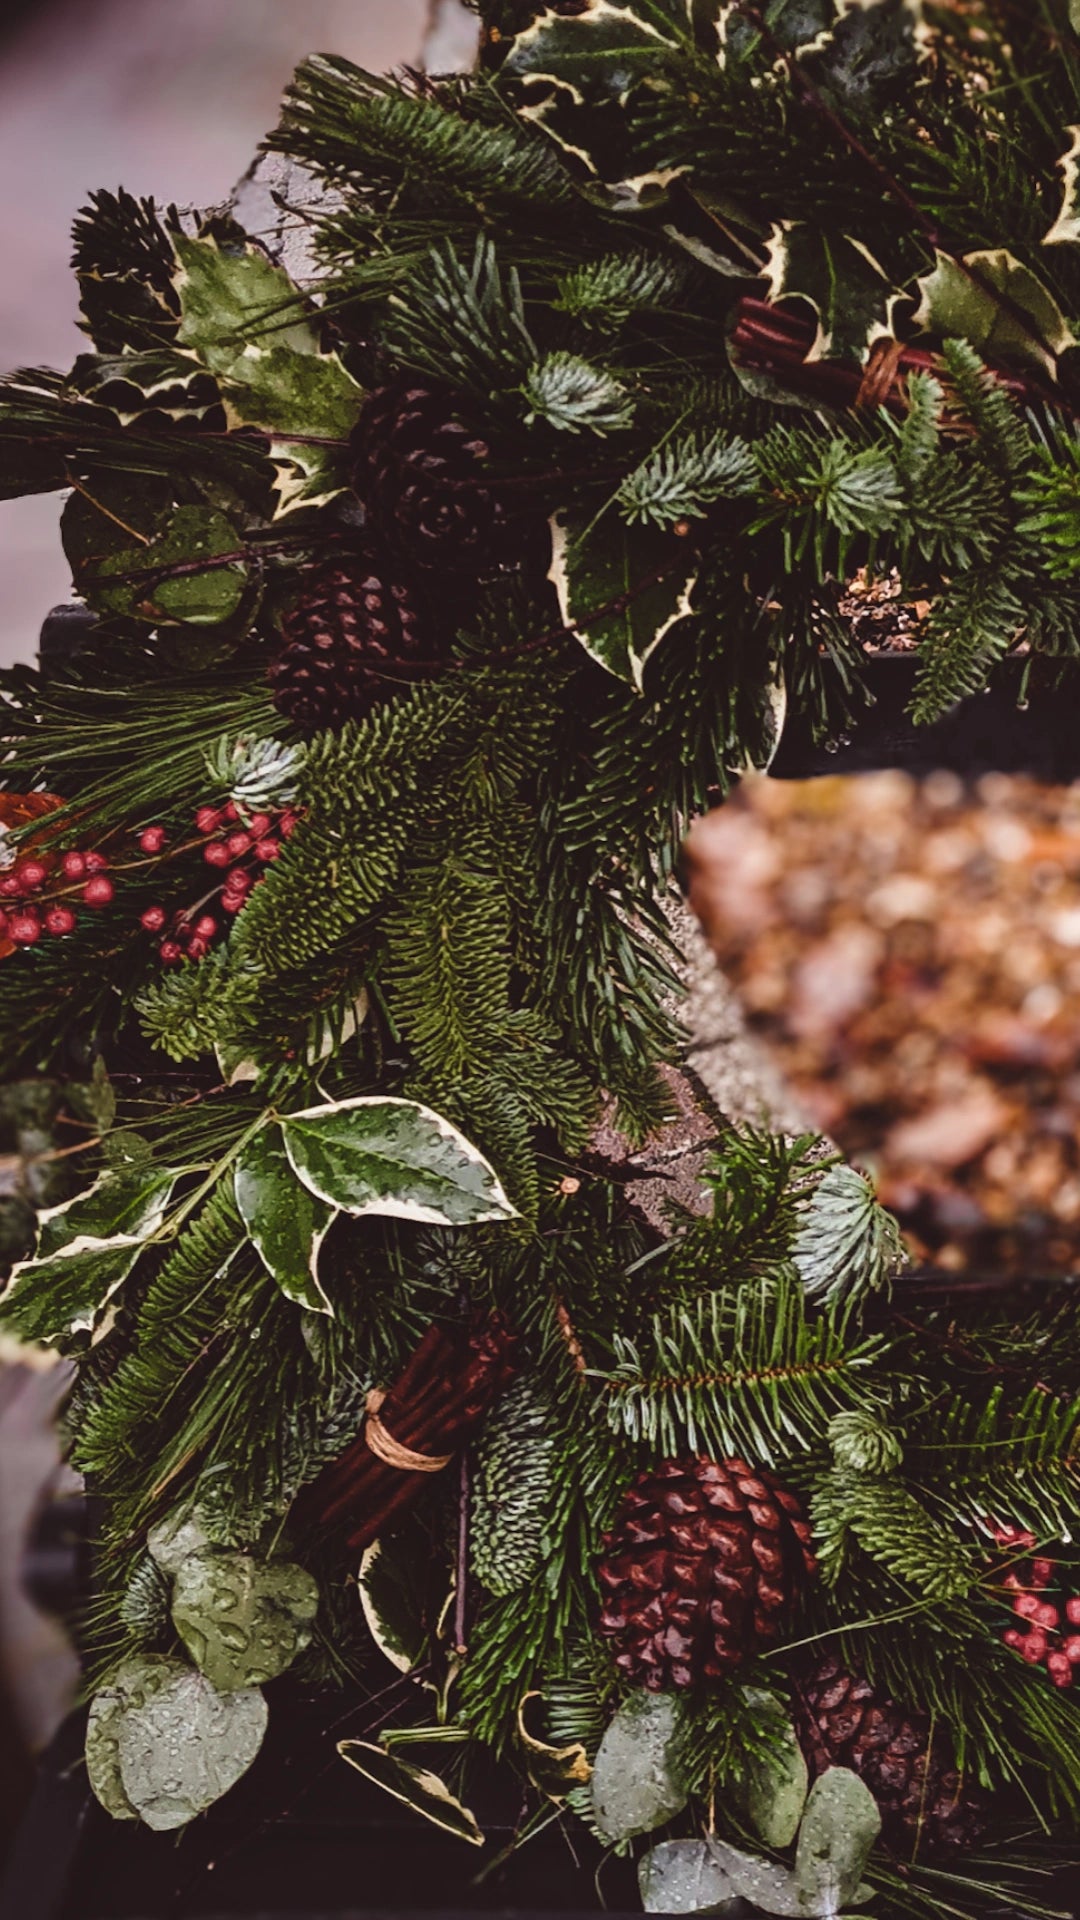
(432,598)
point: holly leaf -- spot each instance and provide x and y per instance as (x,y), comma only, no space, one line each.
(839,278)
(1025,324)
(243,318)
(161,382)
(391,1605)
(85,1251)
(619,591)
(603,49)
(1067,225)
(242,1623)
(380,1155)
(424,1792)
(286,1222)
(134,552)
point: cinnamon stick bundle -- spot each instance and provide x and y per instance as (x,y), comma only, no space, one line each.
(433,1407)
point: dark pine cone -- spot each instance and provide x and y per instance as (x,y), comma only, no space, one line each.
(349,642)
(702,1564)
(923,1800)
(420,472)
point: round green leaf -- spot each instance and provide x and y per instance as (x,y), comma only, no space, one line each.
(242,1623)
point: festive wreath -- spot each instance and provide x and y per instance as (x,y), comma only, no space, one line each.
(435,591)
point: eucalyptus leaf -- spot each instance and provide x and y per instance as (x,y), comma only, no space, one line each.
(285,1220)
(961,300)
(242,1623)
(175,1538)
(132,1685)
(619,591)
(839,1828)
(682,1876)
(766,1883)
(637,1780)
(777,1782)
(424,1792)
(389,1156)
(182,1745)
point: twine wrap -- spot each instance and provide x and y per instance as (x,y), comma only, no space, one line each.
(385,1448)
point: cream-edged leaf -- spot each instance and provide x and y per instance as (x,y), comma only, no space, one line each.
(286,1222)
(619,590)
(376,1154)
(424,1792)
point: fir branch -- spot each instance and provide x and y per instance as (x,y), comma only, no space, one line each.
(847,1245)
(743,1371)
(685,477)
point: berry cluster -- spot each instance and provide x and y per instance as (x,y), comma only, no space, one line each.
(1043,1642)
(37,893)
(240,847)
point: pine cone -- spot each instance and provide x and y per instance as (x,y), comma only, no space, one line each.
(420,472)
(511,1489)
(350,641)
(702,1564)
(842,1722)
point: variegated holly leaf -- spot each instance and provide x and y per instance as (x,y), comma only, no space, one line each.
(163,383)
(286,1221)
(424,1792)
(998,305)
(1067,225)
(840,279)
(86,1249)
(619,591)
(244,319)
(601,50)
(381,1155)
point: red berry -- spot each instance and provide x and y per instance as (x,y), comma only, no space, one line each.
(267,850)
(230,811)
(11,887)
(24,928)
(287,825)
(232,902)
(1059,1669)
(1013,1581)
(1026,1605)
(152,839)
(98,891)
(1072,1610)
(153,919)
(197,949)
(238,880)
(60,920)
(208,819)
(1013,1637)
(74,864)
(1047,1616)
(259,824)
(205,927)
(216,853)
(238,844)
(3,924)
(1033,1647)
(170,952)
(32,873)
(96,863)
(1042,1572)
(1071,1648)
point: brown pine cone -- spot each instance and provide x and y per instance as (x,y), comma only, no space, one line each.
(421,473)
(702,1564)
(923,1800)
(356,634)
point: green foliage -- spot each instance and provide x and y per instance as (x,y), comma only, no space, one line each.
(847,1244)
(573,396)
(742,1371)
